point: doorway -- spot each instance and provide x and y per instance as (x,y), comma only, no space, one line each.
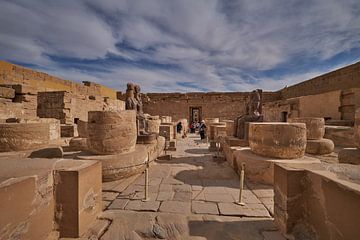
(195,114)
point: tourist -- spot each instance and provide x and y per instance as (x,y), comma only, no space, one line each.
(192,127)
(202,129)
(178,127)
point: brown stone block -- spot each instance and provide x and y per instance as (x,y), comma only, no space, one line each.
(7,92)
(119,166)
(26,200)
(23,136)
(78,196)
(279,140)
(315,127)
(319,146)
(111,132)
(68,130)
(261,169)
(350,155)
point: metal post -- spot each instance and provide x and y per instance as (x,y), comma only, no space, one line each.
(147,198)
(242,173)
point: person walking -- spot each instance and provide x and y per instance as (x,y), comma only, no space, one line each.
(179,127)
(202,130)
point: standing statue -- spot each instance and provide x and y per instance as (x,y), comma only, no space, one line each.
(130,102)
(253,114)
(139,111)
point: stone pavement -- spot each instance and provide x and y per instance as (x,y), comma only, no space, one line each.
(191,197)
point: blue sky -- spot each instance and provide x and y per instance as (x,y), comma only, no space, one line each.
(182,45)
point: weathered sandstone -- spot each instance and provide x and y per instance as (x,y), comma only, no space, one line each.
(111,132)
(279,140)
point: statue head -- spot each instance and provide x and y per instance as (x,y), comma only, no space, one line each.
(130,90)
(137,88)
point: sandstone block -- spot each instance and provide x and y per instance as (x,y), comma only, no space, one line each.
(120,166)
(340,135)
(320,146)
(279,140)
(260,169)
(82,129)
(78,196)
(78,144)
(26,199)
(146,139)
(68,130)
(212,129)
(220,131)
(350,155)
(7,92)
(112,132)
(153,125)
(209,121)
(230,127)
(167,131)
(23,136)
(315,127)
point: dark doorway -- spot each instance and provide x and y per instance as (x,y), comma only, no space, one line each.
(284,116)
(195,114)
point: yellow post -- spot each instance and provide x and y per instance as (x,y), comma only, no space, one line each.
(242,174)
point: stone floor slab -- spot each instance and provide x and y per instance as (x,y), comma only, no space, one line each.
(204,208)
(138,205)
(175,207)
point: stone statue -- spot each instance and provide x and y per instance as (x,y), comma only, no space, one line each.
(130,103)
(255,102)
(253,114)
(141,119)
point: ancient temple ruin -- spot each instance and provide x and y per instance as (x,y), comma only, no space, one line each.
(84,161)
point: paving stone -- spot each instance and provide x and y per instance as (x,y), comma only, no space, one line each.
(219,197)
(182,188)
(118,203)
(249,210)
(109,196)
(273,235)
(204,208)
(200,196)
(172,181)
(182,196)
(175,207)
(138,205)
(141,195)
(212,190)
(105,204)
(165,196)
(165,187)
(260,193)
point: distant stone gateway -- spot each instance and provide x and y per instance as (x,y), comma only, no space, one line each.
(84,161)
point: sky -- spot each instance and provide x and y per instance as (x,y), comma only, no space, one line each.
(182,45)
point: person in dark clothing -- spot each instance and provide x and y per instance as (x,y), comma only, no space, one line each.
(179,127)
(202,129)
(192,127)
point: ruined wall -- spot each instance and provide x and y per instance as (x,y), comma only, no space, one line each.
(42,82)
(68,107)
(227,105)
(17,102)
(325,105)
(340,79)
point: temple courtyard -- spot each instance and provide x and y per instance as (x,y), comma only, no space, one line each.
(192,196)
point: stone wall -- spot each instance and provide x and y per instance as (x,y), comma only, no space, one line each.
(42,82)
(69,108)
(340,79)
(226,105)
